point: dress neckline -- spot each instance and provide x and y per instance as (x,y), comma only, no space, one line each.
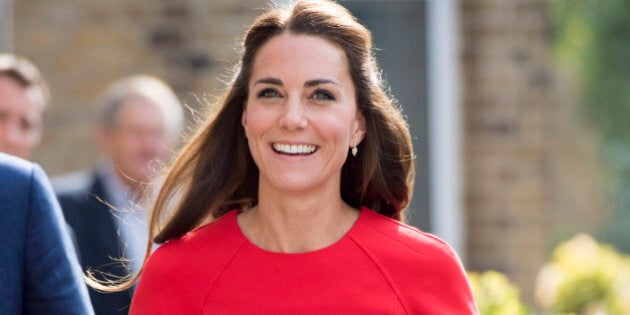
(332,247)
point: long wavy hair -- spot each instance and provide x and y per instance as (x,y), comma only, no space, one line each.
(215,172)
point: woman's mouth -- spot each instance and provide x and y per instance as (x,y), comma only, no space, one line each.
(294,149)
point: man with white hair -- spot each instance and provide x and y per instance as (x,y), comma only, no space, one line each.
(139,121)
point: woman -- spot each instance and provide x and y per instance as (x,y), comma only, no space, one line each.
(303,175)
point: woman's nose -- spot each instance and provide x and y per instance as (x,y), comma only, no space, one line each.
(294,116)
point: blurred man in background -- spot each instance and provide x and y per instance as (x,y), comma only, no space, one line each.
(23,98)
(139,122)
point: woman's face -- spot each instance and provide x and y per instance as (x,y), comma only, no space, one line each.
(301,114)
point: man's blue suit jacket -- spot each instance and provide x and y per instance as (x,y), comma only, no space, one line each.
(39,271)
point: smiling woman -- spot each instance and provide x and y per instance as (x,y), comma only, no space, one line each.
(302,96)
(290,198)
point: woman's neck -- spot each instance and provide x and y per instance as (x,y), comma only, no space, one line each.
(297,224)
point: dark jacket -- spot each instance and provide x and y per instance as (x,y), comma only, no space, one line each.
(84,204)
(39,272)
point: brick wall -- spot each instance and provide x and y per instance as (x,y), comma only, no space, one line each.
(532,173)
(82,46)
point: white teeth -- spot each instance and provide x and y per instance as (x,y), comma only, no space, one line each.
(294,148)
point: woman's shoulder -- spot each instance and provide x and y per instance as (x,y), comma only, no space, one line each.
(215,238)
(376,230)
(415,261)
(186,267)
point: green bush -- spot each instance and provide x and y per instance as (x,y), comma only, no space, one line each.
(495,294)
(585,277)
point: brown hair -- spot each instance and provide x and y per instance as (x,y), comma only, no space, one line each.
(25,73)
(215,172)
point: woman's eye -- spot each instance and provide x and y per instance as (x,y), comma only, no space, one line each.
(268,93)
(323,95)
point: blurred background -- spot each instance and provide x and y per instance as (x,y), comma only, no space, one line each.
(520,109)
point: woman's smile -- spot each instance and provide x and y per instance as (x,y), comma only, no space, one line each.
(294,149)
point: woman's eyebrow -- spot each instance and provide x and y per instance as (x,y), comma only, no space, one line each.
(269,80)
(311,83)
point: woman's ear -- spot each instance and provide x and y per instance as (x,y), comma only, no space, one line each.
(359,130)
(244,121)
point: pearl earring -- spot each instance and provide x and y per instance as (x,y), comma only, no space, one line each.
(355,150)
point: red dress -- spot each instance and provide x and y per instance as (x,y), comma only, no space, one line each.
(380,266)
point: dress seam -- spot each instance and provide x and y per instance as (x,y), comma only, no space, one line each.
(385,275)
(218,277)
(443,246)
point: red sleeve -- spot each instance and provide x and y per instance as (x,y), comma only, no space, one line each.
(444,285)
(157,290)
(178,276)
(425,271)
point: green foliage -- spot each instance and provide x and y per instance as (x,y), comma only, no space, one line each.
(495,294)
(592,38)
(585,277)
